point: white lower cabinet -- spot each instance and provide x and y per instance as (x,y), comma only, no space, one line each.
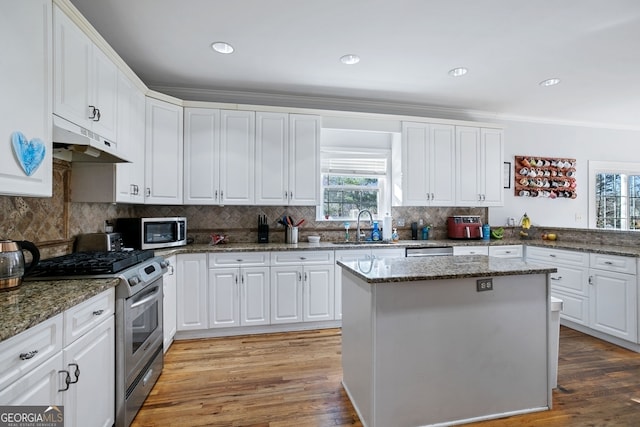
(66,360)
(239,289)
(613,303)
(191,292)
(598,291)
(302,286)
(169,305)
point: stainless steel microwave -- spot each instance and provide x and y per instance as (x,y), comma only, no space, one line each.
(152,233)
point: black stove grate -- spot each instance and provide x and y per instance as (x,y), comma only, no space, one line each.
(90,263)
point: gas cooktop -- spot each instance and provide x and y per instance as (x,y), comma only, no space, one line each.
(90,263)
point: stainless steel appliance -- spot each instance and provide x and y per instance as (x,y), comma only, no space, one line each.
(105,242)
(430,251)
(464,227)
(139,335)
(152,233)
(12,264)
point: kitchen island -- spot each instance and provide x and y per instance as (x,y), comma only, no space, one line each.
(445,340)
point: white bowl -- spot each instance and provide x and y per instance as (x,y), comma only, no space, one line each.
(314,239)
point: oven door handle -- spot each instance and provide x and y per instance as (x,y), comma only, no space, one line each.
(145,297)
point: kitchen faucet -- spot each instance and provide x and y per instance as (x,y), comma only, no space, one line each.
(358,235)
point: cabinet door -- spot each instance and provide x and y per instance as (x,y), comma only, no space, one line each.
(37,387)
(26,88)
(286,294)
(613,304)
(201,156)
(441,165)
(237,157)
(91,362)
(415,173)
(492,166)
(468,155)
(304,159)
(254,296)
(72,64)
(169,317)
(574,307)
(130,137)
(318,293)
(272,158)
(104,75)
(192,292)
(164,155)
(224,297)
(506,251)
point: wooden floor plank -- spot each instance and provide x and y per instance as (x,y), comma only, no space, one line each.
(294,379)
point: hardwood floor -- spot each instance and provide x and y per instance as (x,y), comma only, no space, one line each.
(293,379)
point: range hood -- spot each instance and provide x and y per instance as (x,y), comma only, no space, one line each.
(76,144)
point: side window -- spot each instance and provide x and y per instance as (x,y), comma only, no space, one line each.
(616,195)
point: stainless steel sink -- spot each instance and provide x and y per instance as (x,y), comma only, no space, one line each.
(365,242)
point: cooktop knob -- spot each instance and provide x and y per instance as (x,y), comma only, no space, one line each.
(134,280)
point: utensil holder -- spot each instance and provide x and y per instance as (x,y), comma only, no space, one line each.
(291,235)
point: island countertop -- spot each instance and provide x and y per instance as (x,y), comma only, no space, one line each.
(389,270)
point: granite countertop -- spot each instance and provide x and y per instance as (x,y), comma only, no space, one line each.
(632,251)
(36,301)
(389,270)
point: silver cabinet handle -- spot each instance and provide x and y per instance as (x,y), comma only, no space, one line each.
(28,355)
(608,262)
(93,112)
(552,255)
(148,192)
(98,312)
(591,280)
(557,278)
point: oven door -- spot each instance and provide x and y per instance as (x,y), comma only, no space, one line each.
(142,328)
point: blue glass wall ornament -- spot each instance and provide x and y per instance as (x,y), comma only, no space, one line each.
(30,153)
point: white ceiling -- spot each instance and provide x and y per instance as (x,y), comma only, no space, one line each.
(287,48)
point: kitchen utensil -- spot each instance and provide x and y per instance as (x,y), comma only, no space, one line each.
(263,229)
(12,264)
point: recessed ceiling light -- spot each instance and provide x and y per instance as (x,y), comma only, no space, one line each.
(350,59)
(222,47)
(458,72)
(549,82)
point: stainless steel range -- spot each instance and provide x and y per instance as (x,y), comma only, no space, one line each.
(139,356)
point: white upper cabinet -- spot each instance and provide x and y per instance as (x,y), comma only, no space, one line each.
(428,163)
(304,159)
(163,153)
(131,135)
(25,104)
(237,154)
(219,149)
(479,154)
(86,80)
(272,158)
(201,156)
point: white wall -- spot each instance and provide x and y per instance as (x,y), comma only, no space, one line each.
(580,143)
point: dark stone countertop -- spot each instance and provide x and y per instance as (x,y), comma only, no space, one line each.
(34,302)
(389,270)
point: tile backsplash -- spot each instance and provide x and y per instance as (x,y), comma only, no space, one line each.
(52,223)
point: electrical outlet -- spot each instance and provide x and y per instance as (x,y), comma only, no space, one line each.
(484,285)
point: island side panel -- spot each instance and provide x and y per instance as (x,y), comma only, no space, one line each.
(445,352)
(357,344)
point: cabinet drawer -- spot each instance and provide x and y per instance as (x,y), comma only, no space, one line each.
(388,253)
(558,256)
(239,259)
(353,255)
(22,353)
(574,308)
(508,251)
(301,257)
(80,319)
(470,250)
(619,264)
